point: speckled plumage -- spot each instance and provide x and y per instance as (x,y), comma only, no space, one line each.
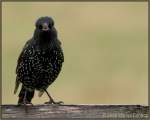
(41,59)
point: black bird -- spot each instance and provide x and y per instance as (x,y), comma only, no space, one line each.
(40,62)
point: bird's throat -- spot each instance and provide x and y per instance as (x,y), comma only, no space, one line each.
(45,40)
(48,43)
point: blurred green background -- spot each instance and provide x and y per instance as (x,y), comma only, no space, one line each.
(105,46)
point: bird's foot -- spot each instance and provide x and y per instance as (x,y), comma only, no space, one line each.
(26,103)
(53,102)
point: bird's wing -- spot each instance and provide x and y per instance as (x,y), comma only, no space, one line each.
(18,66)
(22,54)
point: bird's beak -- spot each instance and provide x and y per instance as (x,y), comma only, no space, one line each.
(45,27)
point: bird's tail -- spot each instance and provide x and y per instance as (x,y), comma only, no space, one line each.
(16,86)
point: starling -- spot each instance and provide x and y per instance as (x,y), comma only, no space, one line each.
(40,62)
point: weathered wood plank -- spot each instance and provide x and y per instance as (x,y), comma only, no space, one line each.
(75,111)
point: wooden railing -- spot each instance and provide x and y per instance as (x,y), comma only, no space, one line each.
(75,111)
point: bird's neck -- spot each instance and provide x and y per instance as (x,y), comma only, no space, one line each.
(46,41)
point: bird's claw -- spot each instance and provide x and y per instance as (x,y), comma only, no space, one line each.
(53,102)
(59,102)
(25,104)
(28,104)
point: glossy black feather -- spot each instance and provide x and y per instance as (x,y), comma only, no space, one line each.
(41,59)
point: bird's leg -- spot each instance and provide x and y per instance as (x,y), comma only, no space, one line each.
(29,96)
(25,101)
(25,98)
(22,96)
(51,101)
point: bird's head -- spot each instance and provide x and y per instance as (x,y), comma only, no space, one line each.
(45,34)
(45,28)
(44,24)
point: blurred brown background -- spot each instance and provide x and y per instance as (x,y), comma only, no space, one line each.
(105,46)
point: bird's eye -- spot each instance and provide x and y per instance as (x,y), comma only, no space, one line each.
(40,26)
(49,26)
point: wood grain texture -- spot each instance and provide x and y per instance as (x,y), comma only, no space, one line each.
(75,111)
